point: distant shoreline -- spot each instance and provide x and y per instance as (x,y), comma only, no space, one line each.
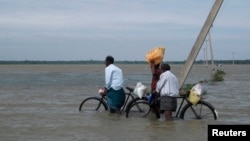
(122,62)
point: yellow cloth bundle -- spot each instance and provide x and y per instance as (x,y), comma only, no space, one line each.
(155,55)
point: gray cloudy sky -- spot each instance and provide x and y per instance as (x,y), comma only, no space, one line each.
(126,29)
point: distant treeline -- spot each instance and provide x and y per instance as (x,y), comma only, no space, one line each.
(121,62)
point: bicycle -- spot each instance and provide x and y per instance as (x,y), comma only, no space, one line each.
(99,103)
(202,110)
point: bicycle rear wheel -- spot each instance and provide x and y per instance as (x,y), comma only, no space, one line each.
(133,101)
(203,110)
(91,104)
(138,109)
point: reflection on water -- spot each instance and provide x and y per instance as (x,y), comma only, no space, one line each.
(40,102)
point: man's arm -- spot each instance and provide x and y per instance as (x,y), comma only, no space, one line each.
(107,78)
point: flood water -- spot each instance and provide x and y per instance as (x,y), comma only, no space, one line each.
(40,103)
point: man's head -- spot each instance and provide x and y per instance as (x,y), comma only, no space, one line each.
(109,60)
(165,67)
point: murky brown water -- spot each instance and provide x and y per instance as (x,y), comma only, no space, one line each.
(40,102)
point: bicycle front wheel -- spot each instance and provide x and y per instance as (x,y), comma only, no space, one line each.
(91,104)
(138,109)
(203,110)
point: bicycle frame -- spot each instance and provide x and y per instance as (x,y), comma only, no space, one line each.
(127,102)
(184,98)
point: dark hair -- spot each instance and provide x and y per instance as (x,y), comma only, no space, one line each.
(110,59)
(165,67)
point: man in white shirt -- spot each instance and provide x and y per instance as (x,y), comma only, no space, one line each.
(168,87)
(114,85)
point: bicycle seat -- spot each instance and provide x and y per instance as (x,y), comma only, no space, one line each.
(130,89)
